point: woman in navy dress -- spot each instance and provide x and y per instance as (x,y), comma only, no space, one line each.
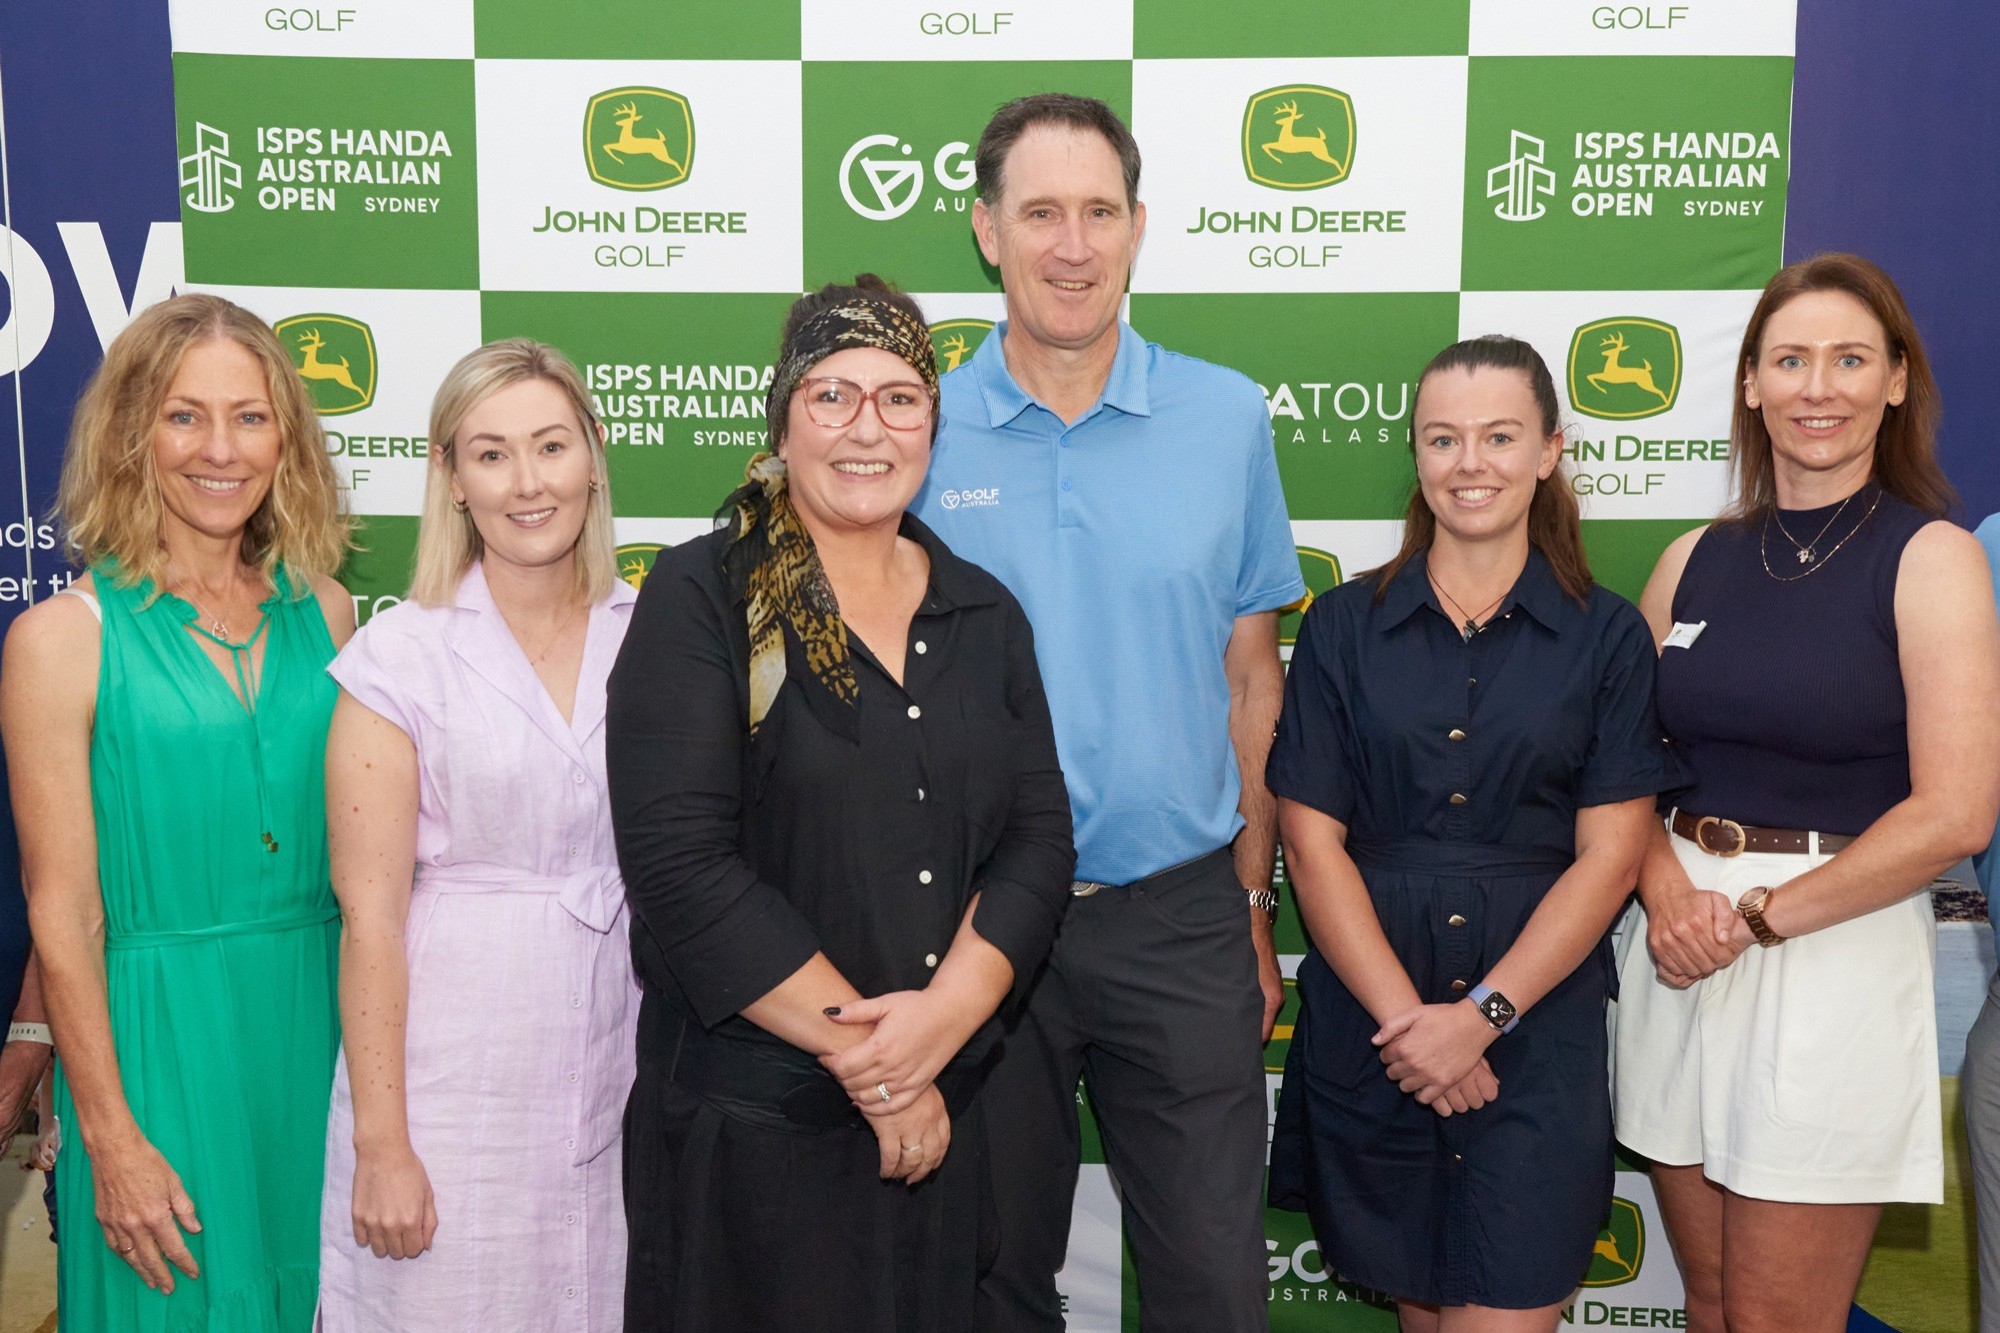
(1466,768)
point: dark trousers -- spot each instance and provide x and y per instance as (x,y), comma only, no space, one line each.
(1151,995)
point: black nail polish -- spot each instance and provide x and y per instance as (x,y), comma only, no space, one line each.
(831,1011)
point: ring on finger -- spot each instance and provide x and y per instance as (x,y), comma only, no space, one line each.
(882,1091)
(913,1147)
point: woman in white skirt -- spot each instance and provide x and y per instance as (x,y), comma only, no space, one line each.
(1830,670)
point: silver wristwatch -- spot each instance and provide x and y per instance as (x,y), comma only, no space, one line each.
(1266,898)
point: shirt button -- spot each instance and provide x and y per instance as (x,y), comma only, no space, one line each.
(572,1076)
(577,777)
(1065,483)
(570,1218)
(1458,798)
(922,647)
(570,1292)
(1458,984)
(1454,920)
(576,1002)
(923,877)
(1470,683)
(569,1143)
(915,712)
(1457,1158)
(1455,735)
(920,793)
(930,960)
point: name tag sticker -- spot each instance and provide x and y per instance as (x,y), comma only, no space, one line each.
(1684,634)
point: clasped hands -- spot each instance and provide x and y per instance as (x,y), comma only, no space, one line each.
(1693,933)
(916,1034)
(1438,1053)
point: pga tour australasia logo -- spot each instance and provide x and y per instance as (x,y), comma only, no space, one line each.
(638,138)
(1624,369)
(335,356)
(881,178)
(1517,181)
(1298,137)
(1621,1247)
(955,340)
(208,174)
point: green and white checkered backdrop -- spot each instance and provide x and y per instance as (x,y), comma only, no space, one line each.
(1336,189)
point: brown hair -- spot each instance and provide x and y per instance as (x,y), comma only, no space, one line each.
(1022,114)
(1554,525)
(109,496)
(1905,462)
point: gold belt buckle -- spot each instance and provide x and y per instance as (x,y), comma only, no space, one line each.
(1701,841)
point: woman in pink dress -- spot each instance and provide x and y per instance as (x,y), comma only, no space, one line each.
(486,993)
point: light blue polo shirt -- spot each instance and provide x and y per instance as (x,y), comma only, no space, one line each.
(1133,539)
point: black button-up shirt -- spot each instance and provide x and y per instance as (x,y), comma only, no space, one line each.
(743,858)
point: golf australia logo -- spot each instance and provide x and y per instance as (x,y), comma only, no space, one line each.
(1624,369)
(208,173)
(1298,137)
(972,497)
(1518,181)
(638,138)
(882,178)
(335,356)
(955,340)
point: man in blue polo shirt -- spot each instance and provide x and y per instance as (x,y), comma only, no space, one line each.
(1129,497)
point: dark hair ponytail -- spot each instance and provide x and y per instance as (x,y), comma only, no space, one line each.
(1555,525)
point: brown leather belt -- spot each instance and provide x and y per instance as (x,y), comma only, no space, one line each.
(1726,837)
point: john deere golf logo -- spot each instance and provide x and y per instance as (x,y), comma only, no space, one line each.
(1623,369)
(955,340)
(1298,137)
(336,358)
(635,561)
(1322,574)
(638,138)
(1620,1249)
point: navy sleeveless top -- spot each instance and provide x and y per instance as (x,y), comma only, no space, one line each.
(1789,706)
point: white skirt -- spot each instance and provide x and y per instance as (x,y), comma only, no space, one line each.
(1804,1073)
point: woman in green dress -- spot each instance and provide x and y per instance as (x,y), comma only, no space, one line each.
(187,930)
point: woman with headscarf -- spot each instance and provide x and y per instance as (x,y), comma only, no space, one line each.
(845,839)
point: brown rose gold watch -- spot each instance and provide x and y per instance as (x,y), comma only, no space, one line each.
(1751,908)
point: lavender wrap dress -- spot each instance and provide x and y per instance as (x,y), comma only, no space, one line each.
(522,1003)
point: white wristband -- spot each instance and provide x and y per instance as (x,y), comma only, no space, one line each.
(30,1032)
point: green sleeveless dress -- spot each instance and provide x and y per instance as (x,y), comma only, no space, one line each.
(221,940)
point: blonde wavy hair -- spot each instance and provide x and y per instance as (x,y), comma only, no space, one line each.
(110,499)
(447,540)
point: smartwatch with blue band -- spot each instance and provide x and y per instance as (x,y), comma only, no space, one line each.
(1497,1008)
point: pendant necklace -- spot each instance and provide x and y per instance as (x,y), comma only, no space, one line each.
(1764,534)
(1472,623)
(1805,550)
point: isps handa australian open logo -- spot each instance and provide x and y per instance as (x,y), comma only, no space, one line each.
(1624,369)
(638,138)
(335,356)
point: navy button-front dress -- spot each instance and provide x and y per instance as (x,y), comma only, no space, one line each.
(1458,767)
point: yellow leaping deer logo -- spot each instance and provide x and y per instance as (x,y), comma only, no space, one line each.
(1289,140)
(1640,376)
(952,350)
(637,145)
(312,368)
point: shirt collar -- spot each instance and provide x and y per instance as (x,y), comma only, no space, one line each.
(1536,592)
(954,582)
(1125,389)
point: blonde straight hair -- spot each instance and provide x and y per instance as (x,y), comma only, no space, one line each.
(109,497)
(447,541)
